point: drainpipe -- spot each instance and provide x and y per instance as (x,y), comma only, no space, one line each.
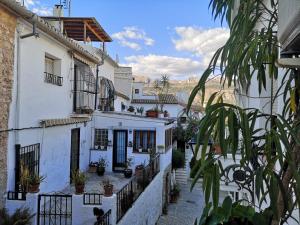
(34,32)
(97,78)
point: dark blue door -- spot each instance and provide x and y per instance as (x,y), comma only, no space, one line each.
(120,150)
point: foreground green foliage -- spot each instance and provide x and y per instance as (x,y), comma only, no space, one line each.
(20,217)
(272,151)
(233,214)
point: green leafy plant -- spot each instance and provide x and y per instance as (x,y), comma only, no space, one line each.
(250,54)
(35,179)
(178,159)
(21,216)
(102,162)
(233,213)
(140,110)
(78,177)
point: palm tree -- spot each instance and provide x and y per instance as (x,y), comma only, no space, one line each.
(161,87)
(250,54)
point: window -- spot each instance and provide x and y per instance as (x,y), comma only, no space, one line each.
(144,140)
(136,91)
(107,95)
(101,139)
(182,119)
(168,138)
(52,70)
(84,88)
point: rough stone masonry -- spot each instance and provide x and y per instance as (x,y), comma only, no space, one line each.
(7,43)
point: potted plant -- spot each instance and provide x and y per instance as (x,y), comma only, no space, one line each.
(166,113)
(96,146)
(128,171)
(174,194)
(93,167)
(34,182)
(79,179)
(102,147)
(140,110)
(130,109)
(108,188)
(101,166)
(152,113)
(130,144)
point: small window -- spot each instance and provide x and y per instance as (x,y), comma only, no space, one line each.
(136,91)
(144,140)
(52,71)
(101,139)
(49,65)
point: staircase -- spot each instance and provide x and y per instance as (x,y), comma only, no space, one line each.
(181,176)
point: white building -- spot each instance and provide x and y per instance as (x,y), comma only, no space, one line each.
(62,99)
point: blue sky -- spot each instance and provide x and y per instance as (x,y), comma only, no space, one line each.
(174,37)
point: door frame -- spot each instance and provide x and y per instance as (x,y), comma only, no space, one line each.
(115,148)
(78,157)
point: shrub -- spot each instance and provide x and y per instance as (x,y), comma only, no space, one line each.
(178,159)
(20,217)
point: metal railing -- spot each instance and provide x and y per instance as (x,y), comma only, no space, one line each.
(53,79)
(20,196)
(131,192)
(105,219)
(92,199)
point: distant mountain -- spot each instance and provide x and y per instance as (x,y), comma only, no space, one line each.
(184,88)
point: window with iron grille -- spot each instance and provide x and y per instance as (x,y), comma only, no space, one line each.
(101,138)
(106,95)
(144,140)
(84,88)
(168,138)
(27,157)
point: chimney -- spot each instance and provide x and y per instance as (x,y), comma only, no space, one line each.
(58,11)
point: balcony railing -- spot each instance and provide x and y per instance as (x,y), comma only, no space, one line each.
(131,192)
(105,219)
(53,79)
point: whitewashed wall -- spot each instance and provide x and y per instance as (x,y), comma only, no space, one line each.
(40,100)
(147,209)
(112,121)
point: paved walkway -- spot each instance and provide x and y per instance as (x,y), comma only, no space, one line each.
(188,207)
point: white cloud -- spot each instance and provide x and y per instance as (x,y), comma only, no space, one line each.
(133,38)
(37,7)
(155,65)
(200,42)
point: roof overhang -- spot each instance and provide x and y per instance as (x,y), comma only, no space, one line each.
(82,28)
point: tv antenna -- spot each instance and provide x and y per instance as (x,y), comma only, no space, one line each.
(67,5)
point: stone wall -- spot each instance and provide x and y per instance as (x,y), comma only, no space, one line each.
(7,40)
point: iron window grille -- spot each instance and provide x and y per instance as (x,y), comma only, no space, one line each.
(101,138)
(144,140)
(27,157)
(84,88)
(106,95)
(92,199)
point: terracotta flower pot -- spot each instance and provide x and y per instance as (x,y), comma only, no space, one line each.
(217,149)
(34,188)
(108,190)
(151,113)
(92,169)
(79,189)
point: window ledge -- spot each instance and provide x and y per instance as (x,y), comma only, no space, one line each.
(143,153)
